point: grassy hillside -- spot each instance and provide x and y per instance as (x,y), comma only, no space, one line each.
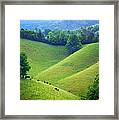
(41,55)
(74,63)
(71,74)
(32,90)
(79,82)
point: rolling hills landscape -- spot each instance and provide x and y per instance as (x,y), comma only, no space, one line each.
(57,70)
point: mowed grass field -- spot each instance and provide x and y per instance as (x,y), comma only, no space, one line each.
(72,74)
(41,56)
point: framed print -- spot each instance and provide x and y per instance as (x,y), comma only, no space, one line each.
(59,60)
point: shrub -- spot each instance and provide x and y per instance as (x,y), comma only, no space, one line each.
(93,91)
(24,65)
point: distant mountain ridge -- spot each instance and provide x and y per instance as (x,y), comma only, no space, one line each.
(56,24)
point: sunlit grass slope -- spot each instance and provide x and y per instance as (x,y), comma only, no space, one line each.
(32,90)
(41,55)
(74,63)
(78,83)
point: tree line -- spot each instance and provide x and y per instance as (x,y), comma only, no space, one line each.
(72,39)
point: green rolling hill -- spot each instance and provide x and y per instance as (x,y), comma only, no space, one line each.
(32,90)
(72,75)
(78,83)
(74,63)
(41,56)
